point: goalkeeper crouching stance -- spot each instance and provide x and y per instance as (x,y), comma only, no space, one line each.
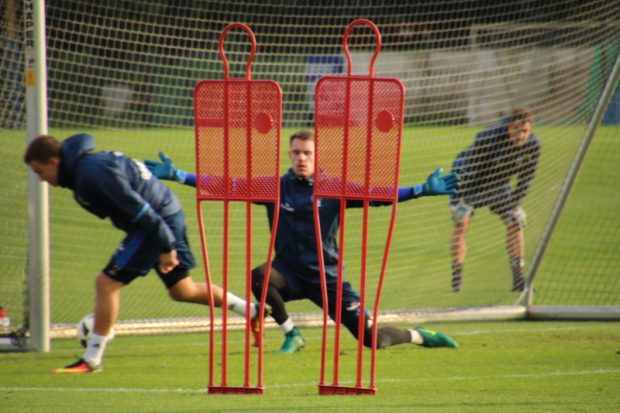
(506,149)
(111,185)
(295,268)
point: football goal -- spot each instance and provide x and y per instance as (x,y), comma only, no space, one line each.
(125,72)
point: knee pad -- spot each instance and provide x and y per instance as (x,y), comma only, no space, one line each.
(516,217)
(460,210)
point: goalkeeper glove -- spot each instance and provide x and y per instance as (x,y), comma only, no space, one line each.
(165,169)
(438,185)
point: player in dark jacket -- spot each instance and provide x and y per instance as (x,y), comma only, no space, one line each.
(506,149)
(295,271)
(111,185)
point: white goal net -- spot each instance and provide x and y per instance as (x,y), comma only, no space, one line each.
(125,72)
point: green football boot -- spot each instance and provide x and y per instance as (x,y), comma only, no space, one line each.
(435,339)
(293,342)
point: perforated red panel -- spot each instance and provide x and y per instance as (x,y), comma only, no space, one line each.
(237,139)
(358,130)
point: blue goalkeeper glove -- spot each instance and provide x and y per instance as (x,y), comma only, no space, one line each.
(439,185)
(165,169)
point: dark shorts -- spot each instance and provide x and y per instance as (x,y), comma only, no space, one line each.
(138,254)
(499,200)
(300,288)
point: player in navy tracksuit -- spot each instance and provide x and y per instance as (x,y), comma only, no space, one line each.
(295,271)
(506,149)
(111,185)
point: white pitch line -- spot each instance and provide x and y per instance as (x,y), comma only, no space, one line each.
(100,389)
(290,385)
(515,330)
(526,375)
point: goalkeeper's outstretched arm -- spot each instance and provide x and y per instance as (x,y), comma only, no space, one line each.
(166,170)
(435,184)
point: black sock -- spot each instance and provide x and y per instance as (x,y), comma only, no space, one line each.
(457,269)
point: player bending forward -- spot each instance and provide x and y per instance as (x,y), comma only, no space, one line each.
(109,184)
(506,149)
(295,268)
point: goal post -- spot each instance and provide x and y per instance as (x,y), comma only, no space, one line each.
(34,333)
(125,72)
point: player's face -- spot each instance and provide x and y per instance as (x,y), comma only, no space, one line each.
(302,157)
(47,172)
(519,132)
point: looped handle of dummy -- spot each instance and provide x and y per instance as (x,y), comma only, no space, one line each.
(345,42)
(248,66)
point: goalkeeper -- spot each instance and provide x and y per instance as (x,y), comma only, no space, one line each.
(506,149)
(295,269)
(109,184)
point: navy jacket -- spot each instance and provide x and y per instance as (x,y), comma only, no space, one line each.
(492,160)
(111,185)
(295,239)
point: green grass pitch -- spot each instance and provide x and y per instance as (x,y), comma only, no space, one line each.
(499,367)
